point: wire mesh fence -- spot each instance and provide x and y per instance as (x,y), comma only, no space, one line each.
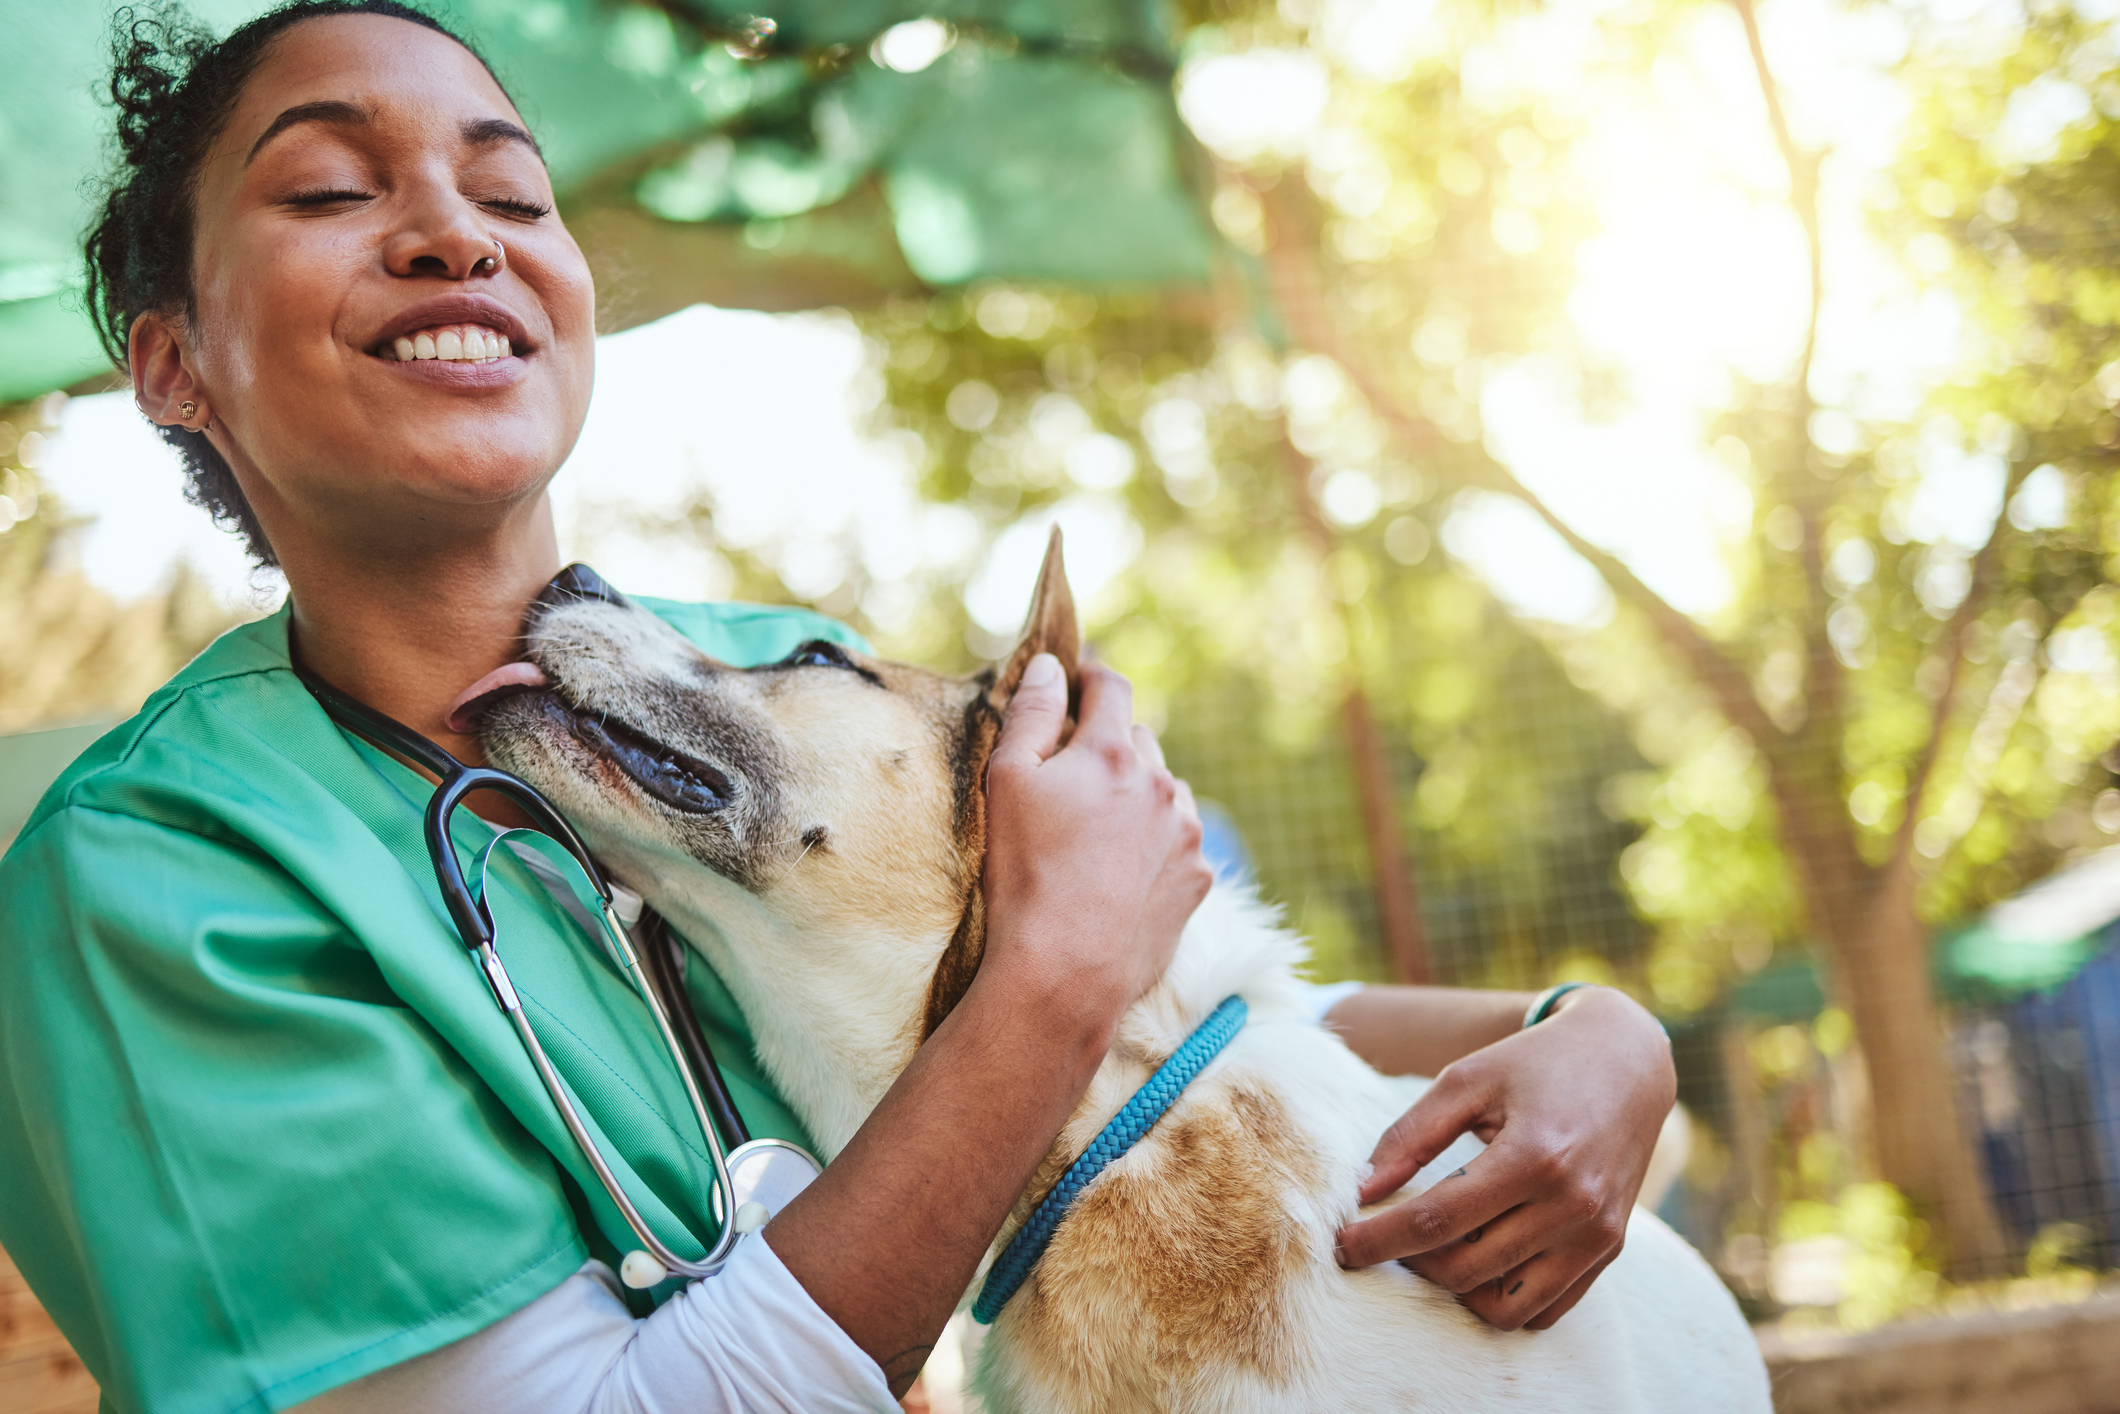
(1526,882)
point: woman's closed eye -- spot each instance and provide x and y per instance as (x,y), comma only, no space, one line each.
(324,196)
(520,208)
(517,207)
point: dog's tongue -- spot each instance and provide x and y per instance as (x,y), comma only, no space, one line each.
(464,712)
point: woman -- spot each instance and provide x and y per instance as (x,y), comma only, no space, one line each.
(263,1138)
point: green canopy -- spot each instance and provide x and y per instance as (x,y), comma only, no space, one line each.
(817,156)
(2031,943)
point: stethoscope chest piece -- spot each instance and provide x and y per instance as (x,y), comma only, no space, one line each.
(769,1173)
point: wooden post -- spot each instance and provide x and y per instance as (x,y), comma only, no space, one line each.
(1398,895)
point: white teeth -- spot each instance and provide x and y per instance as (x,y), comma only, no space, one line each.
(457,343)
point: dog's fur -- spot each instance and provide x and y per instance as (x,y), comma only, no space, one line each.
(832,879)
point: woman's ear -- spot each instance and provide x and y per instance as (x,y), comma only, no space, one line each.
(164,386)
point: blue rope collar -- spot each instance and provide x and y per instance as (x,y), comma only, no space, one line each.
(1134,1119)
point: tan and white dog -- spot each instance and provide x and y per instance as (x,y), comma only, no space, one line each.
(816,827)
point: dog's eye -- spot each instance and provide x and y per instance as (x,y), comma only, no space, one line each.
(818,653)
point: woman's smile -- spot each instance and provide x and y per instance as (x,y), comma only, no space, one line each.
(463,341)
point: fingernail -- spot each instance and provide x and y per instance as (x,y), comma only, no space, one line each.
(1339,1255)
(1041,671)
(1363,1174)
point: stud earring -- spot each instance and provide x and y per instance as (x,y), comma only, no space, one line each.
(189,409)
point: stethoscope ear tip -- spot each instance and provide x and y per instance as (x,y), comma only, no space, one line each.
(640,1271)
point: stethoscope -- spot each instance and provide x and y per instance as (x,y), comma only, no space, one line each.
(753,1178)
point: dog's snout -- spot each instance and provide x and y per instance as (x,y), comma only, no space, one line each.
(575,583)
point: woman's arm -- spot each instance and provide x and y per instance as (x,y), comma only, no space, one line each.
(1093,866)
(1421,1030)
(1569,1110)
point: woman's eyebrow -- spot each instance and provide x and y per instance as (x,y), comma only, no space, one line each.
(327,110)
(483,132)
(480,132)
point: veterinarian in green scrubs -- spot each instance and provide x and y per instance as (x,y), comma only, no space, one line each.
(260,1048)
(262,1132)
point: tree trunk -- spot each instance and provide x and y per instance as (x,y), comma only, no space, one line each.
(1922,1144)
(1880,957)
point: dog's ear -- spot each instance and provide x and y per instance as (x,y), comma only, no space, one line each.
(1051,628)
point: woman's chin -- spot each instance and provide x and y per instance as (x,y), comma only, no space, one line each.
(482,466)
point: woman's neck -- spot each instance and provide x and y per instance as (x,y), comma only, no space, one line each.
(405,634)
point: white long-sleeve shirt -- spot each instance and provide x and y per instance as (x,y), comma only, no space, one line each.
(747,1339)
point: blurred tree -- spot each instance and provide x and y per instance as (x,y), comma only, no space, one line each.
(74,653)
(1244,614)
(1908,712)
(1891,721)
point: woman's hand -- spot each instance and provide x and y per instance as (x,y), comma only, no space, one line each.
(1569,1111)
(1093,860)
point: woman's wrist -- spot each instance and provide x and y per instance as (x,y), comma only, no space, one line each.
(1046,995)
(1631,1032)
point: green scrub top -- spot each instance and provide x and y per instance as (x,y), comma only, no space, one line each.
(262,1128)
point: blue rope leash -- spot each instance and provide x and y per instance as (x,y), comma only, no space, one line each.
(1134,1119)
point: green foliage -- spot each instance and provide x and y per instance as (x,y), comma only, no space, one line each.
(74,653)
(1885,1270)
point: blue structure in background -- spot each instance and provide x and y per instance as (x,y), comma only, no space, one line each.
(1224,845)
(2044,1076)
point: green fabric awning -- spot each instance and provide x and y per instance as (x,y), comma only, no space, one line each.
(2031,943)
(709,154)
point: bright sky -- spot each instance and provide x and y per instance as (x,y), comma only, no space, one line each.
(1697,274)
(757,414)
(753,411)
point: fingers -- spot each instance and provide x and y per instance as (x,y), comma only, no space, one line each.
(1539,1292)
(1036,715)
(1450,1108)
(1544,1320)
(1107,707)
(1445,1214)
(1485,1253)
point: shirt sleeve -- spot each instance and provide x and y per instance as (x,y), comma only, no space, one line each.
(747,1339)
(1321,997)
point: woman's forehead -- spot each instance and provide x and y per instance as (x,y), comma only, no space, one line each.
(374,65)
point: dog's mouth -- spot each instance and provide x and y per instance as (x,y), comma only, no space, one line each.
(679,781)
(472,704)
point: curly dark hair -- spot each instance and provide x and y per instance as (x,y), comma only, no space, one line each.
(174,86)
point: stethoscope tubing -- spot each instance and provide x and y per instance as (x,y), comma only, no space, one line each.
(475,929)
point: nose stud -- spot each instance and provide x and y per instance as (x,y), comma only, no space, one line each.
(489,264)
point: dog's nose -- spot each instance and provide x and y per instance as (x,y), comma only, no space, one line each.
(577,582)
